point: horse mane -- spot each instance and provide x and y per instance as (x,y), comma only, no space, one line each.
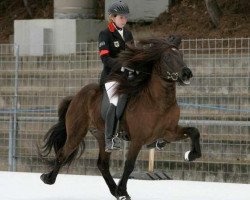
(142,58)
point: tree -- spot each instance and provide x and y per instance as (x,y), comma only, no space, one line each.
(214,11)
(26,4)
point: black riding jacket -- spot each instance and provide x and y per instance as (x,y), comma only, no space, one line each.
(111,44)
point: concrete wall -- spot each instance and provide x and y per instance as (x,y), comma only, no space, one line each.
(39,37)
(142,10)
(75,9)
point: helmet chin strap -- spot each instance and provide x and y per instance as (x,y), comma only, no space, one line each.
(118,28)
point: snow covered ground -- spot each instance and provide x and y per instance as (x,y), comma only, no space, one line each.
(28,186)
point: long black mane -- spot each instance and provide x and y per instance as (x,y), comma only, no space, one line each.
(142,58)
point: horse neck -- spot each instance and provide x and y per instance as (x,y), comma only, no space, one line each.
(161,91)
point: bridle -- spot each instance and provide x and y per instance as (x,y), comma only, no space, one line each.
(169,76)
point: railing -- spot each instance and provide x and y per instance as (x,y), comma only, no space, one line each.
(217,102)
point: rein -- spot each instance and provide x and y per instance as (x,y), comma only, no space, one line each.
(170,76)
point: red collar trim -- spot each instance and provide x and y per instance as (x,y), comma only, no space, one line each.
(111,27)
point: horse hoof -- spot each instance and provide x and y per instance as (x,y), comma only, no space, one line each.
(191,155)
(124,198)
(186,156)
(46,178)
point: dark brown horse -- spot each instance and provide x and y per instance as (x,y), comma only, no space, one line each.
(152,112)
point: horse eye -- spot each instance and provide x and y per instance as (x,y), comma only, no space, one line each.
(174,49)
(167,57)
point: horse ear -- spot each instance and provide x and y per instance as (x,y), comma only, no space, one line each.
(174,40)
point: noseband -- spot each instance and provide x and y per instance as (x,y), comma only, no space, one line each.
(170,76)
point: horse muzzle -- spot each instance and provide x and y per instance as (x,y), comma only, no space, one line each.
(185,76)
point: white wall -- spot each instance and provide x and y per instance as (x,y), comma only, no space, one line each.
(58,36)
(31,35)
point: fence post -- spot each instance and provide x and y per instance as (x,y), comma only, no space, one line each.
(13,119)
(124,152)
(151,160)
(11,156)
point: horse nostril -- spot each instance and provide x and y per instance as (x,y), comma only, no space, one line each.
(186,72)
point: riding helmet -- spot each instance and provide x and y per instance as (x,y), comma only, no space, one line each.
(118,8)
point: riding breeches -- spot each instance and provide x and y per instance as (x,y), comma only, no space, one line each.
(110,88)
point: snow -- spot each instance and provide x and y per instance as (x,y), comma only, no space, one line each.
(28,186)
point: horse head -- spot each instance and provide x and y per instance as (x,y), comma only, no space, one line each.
(172,66)
(159,56)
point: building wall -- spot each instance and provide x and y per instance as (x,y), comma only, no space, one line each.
(39,37)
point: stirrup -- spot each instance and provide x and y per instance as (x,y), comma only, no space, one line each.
(115,144)
(116,140)
(160,144)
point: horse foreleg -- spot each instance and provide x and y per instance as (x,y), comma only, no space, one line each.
(103,166)
(128,169)
(194,135)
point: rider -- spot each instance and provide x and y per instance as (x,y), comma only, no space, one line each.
(112,41)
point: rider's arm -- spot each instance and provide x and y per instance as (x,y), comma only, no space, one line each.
(104,50)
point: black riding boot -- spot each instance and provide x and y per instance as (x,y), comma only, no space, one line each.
(111,142)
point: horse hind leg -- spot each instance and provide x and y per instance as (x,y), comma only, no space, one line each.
(66,151)
(66,136)
(50,178)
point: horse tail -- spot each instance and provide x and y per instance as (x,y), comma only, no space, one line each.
(57,135)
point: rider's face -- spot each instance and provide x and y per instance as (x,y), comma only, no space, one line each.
(120,20)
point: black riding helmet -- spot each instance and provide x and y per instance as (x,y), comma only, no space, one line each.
(118,8)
